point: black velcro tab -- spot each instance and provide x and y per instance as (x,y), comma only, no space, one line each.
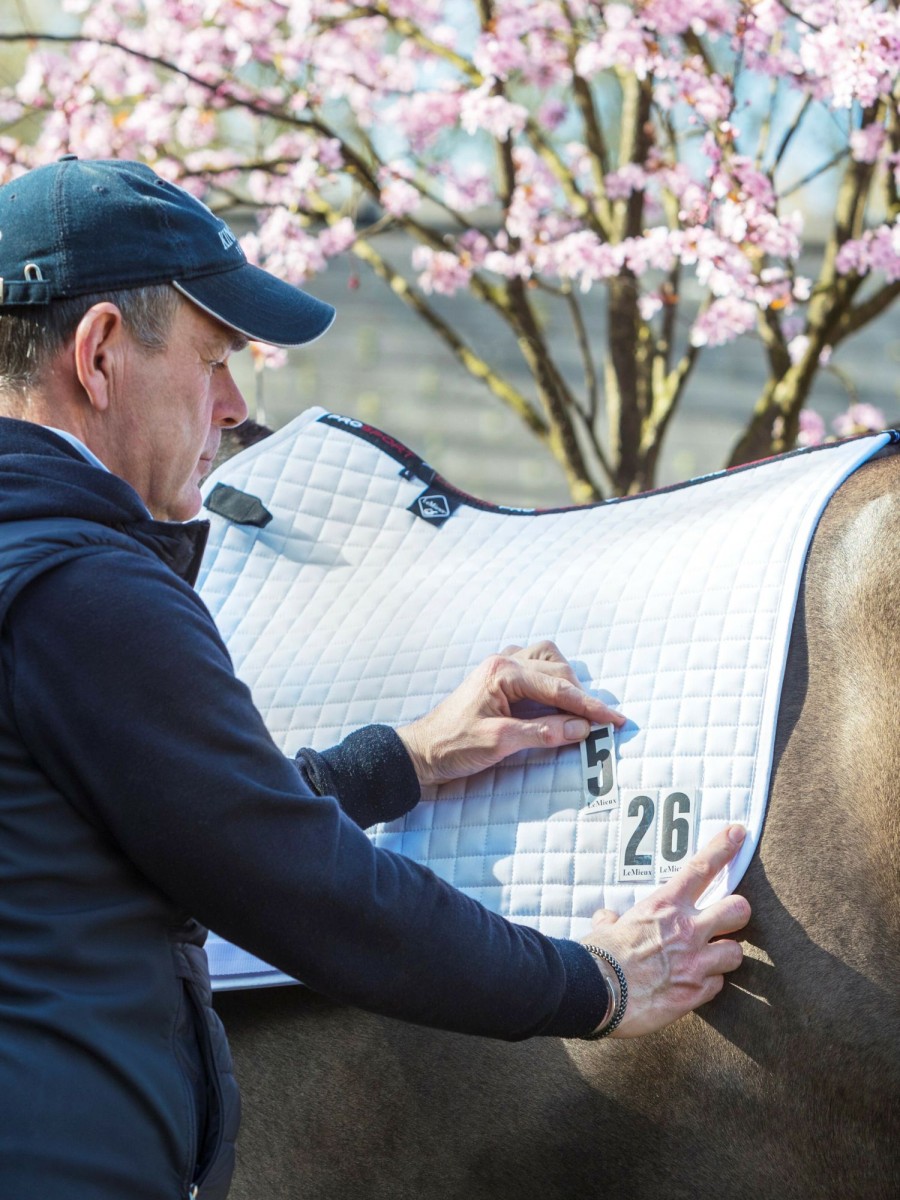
(434,505)
(237,506)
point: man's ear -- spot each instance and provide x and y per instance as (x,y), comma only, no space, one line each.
(98,350)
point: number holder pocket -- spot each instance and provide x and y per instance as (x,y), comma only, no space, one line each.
(656,834)
(598,769)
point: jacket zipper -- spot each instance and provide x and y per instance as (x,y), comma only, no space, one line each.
(209,1061)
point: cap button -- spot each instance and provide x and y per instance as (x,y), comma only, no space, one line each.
(68,158)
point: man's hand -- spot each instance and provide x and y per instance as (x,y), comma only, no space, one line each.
(474,728)
(664,944)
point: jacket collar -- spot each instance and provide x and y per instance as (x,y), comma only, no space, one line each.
(43,474)
(179,546)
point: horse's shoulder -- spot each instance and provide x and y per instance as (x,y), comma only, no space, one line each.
(857,542)
(874,488)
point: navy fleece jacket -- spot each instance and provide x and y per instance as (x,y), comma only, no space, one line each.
(124,695)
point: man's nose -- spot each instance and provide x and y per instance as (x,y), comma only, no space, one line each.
(230,406)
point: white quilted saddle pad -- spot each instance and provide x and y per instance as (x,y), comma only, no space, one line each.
(376,586)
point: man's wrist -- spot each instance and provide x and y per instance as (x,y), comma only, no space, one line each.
(614,978)
(409,735)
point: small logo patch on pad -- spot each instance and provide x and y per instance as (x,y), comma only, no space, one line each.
(434,505)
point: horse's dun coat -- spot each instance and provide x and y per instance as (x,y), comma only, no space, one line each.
(786,1087)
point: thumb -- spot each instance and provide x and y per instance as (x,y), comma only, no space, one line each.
(560,730)
(545,732)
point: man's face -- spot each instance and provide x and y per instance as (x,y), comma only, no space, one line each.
(170,408)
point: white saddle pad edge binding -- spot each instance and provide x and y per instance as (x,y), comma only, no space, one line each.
(677,606)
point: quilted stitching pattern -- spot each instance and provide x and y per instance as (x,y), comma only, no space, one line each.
(348,609)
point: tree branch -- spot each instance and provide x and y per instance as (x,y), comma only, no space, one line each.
(815,173)
(587,357)
(472,361)
(861,314)
(790,132)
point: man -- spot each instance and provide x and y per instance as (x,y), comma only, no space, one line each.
(140,793)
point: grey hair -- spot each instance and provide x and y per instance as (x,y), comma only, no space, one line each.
(30,338)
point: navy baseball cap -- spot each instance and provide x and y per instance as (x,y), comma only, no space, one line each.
(79,226)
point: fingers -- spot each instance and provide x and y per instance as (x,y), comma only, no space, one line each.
(675,957)
(698,873)
(552,684)
(548,732)
(545,650)
(477,725)
(718,958)
(546,658)
(725,916)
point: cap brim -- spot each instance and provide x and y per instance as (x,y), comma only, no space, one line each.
(260,306)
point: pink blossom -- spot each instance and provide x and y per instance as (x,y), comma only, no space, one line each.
(445,35)
(32,88)
(797,347)
(424,11)
(11,110)
(286,247)
(440,271)
(424,115)
(398,196)
(723,321)
(196,127)
(670,17)
(469,188)
(761,23)
(552,113)
(851,258)
(493,113)
(812,428)
(473,247)
(337,237)
(625,43)
(510,266)
(323,68)
(329,153)
(878,250)
(500,51)
(802,289)
(851,49)
(656,251)
(627,179)
(582,256)
(866,143)
(859,418)
(649,305)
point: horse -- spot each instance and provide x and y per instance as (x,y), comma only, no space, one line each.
(785,1087)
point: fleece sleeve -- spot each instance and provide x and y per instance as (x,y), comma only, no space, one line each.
(125,696)
(369,773)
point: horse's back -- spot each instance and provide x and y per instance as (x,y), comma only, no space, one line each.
(787,1085)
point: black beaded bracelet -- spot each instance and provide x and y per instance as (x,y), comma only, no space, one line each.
(621,1001)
